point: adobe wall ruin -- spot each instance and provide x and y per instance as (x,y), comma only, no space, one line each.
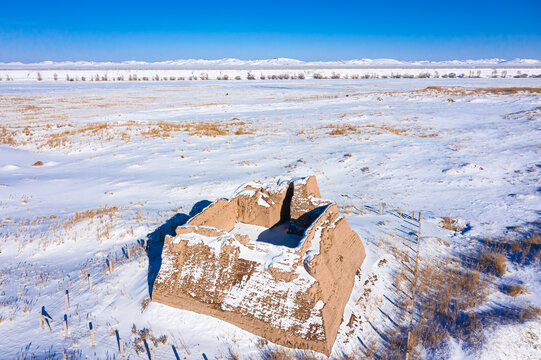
(294,294)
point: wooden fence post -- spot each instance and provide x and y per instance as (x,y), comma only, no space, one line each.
(66,296)
(46,320)
(91,327)
(110,265)
(121,347)
(65,323)
(381,208)
(89,282)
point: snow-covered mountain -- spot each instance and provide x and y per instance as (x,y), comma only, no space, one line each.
(277,62)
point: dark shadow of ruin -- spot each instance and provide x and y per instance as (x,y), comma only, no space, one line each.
(155,240)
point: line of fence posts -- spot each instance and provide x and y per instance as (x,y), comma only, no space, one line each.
(414,288)
(415,272)
(45,319)
(401,214)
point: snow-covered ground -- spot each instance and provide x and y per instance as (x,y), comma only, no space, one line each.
(122,163)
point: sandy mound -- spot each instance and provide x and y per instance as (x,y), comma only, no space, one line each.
(277,261)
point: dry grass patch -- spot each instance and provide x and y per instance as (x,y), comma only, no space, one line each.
(89,214)
(452,294)
(144,338)
(493,261)
(268,353)
(522,248)
(372,129)
(447,290)
(68,134)
(446,91)
(515,290)
(40,109)
(462,91)
(341,130)
(451,224)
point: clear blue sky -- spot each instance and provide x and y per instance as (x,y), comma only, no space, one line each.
(308,30)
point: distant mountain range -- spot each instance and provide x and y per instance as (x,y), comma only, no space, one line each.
(277,62)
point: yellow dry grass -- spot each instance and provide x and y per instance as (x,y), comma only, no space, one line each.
(39,109)
(462,91)
(61,135)
(447,91)
(451,224)
(372,129)
(494,262)
(432,91)
(515,290)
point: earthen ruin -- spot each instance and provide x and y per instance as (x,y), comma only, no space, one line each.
(277,261)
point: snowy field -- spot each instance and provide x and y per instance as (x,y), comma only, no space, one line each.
(93,175)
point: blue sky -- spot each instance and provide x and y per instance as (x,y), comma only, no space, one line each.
(308,30)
